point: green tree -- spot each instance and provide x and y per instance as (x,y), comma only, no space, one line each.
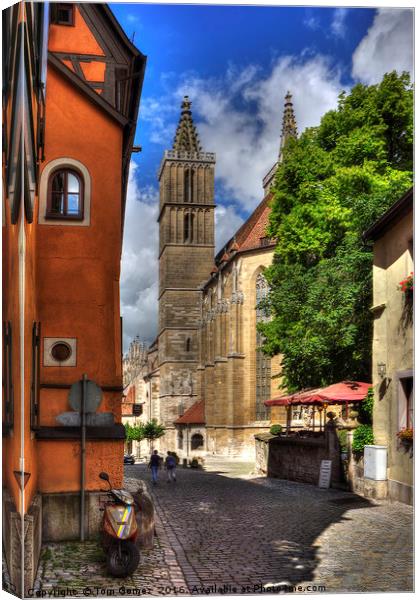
(133,432)
(152,430)
(335,180)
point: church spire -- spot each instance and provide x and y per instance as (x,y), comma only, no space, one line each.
(186,136)
(289,128)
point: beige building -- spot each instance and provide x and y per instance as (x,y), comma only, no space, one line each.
(135,408)
(235,377)
(209,358)
(392,359)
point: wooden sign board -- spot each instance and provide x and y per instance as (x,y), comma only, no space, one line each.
(325,474)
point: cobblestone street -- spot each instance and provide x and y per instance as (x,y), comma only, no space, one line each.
(223,527)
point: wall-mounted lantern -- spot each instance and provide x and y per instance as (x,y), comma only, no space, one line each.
(381,370)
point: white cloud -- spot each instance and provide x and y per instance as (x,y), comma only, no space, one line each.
(312,22)
(246,139)
(239,117)
(388,45)
(139,272)
(227,222)
(338,27)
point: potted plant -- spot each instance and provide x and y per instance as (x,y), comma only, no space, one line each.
(406,286)
(276,429)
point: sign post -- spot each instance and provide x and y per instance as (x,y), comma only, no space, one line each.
(84,397)
(325,474)
(83,458)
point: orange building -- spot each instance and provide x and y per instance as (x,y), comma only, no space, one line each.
(62,240)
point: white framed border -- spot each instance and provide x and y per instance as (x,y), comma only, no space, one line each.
(50,361)
(43,192)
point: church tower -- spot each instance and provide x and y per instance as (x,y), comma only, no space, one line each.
(289,129)
(186,257)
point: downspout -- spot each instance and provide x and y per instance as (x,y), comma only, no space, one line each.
(22,268)
(22,271)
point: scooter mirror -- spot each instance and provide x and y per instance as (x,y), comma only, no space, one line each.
(104,476)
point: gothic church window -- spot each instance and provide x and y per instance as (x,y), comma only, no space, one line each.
(180,439)
(189,185)
(263,362)
(189,228)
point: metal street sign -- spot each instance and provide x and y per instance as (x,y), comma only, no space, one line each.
(325,474)
(93,396)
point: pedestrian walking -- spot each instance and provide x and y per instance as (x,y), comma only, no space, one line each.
(154,465)
(170,464)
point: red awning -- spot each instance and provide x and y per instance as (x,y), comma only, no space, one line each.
(337,393)
(296,398)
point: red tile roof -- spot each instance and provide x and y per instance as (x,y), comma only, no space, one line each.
(250,233)
(194,415)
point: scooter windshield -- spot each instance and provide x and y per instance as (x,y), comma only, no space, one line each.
(123,496)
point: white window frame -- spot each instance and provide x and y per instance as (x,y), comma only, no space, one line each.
(62,163)
(402,400)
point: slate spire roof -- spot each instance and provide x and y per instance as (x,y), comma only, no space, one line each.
(289,128)
(186,136)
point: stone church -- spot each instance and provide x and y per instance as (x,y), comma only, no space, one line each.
(213,377)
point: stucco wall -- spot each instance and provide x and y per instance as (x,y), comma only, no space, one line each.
(393,346)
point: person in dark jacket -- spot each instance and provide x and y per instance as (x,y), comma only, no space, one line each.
(154,465)
(170,464)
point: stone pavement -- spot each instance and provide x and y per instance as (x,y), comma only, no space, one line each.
(223,529)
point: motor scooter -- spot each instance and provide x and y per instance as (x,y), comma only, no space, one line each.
(119,531)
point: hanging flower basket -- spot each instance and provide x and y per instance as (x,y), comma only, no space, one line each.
(406,437)
(406,286)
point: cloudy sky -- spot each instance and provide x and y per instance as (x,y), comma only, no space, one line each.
(236,64)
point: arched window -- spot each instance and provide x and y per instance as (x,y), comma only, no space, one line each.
(192,233)
(188,345)
(192,185)
(189,183)
(180,439)
(65,195)
(263,362)
(197,441)
(187,229)
(189,235)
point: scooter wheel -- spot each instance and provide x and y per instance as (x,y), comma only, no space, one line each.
(121,563)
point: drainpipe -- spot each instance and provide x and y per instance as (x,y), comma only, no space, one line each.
(22,270)
(22,273)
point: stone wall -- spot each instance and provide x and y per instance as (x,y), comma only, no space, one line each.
(298,459)
(227,357)
(13,542)
(61,516)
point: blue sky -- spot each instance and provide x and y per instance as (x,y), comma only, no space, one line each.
(182,41)
(236,64)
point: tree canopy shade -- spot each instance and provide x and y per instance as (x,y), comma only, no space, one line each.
(334,181)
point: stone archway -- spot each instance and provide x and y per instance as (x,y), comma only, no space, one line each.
(197,442)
